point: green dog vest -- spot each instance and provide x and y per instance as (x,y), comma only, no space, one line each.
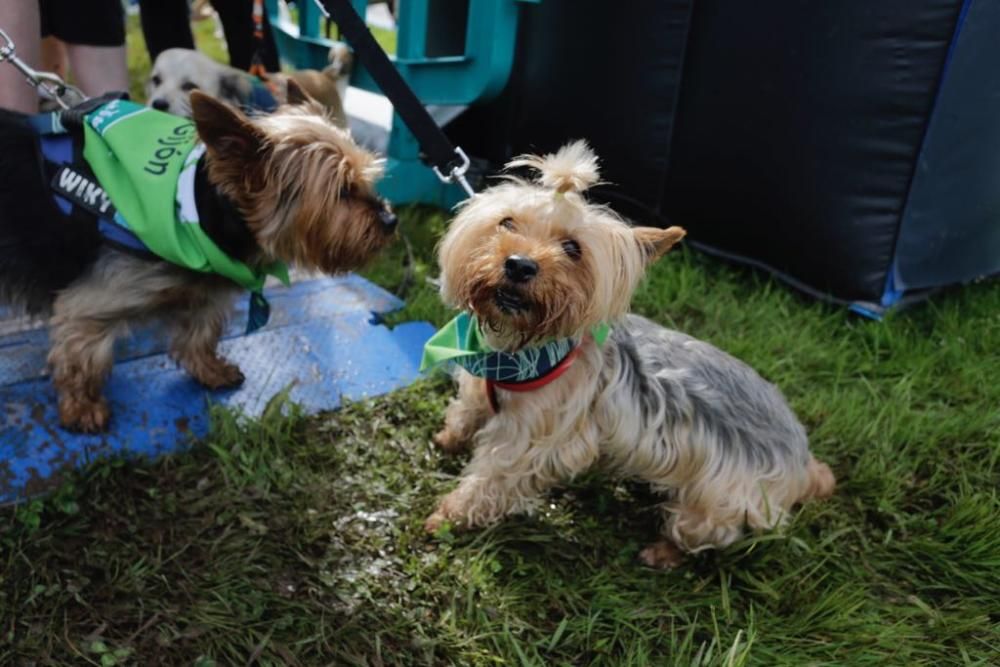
(146,161)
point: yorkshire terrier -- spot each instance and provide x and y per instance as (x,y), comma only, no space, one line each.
(542,275)
(287,188)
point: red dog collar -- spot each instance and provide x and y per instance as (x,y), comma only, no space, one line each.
(529,385)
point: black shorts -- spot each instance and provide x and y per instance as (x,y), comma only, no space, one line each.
(85,22)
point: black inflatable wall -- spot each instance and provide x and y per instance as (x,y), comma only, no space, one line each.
(851,147)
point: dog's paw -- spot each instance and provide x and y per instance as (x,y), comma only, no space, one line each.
(218,375)
(84,416)
(229,376)
(434,522)
(448,441)
(450,510)
(662,555)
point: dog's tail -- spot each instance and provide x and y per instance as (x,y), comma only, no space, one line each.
(821,480)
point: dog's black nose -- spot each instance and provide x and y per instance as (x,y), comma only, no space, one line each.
(388,219)
(520,269)
(161,104)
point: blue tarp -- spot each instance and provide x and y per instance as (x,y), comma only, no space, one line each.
(323,338)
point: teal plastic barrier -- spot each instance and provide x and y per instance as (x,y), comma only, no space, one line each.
(476,74)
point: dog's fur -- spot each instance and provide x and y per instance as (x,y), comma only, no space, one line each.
(177,72)
(718,441)
(289,186)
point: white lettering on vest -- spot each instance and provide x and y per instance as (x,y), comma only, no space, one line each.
(68,180)
(105,202)
(93,192)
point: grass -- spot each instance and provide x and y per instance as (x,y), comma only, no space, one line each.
(295,540)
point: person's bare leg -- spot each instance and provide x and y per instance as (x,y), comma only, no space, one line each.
(98,69)
(54,57)
(20,21)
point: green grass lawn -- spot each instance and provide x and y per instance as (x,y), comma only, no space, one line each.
(295,540)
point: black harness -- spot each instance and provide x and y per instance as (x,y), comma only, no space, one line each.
(73,184)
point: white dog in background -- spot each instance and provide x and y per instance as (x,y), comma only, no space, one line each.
(177,72)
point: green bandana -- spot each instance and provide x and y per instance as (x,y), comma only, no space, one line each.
(146,160)
(461,342)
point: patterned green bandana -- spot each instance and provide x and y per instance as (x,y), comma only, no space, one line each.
(461,342)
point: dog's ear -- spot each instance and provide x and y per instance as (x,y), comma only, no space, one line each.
(296,94)
(227,134)
(341,60)
(573,168)
(656,242)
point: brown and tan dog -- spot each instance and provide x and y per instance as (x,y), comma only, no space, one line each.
(287,187)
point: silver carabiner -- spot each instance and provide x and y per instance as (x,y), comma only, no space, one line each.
(457,174)
(45,82)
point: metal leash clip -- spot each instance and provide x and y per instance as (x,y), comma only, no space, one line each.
(457,174)
(45,82)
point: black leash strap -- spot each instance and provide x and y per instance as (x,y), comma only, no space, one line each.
(448,161)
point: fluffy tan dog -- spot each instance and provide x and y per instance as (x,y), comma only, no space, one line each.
(542,273)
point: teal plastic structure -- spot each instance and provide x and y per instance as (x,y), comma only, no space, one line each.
(477,74)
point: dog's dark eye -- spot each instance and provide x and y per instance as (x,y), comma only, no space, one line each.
(187,86)
(156,80)
(572,249)
(508,224)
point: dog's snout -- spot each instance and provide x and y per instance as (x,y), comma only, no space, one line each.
(520,269)
(160,104)
(388,219)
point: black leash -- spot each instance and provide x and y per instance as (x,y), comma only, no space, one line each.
(448,161)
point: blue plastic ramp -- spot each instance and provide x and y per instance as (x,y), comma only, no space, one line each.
(323,339)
